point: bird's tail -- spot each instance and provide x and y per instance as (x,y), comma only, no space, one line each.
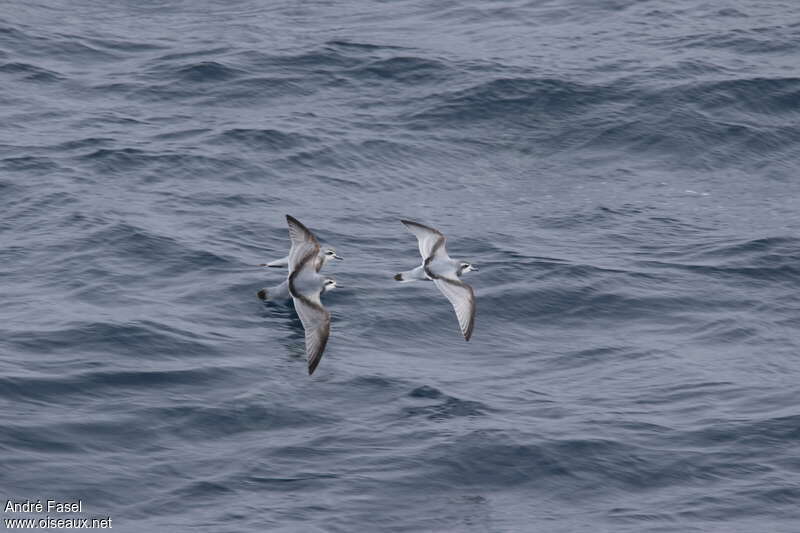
(405,277)
(279,263)
(263,293)
(415,274)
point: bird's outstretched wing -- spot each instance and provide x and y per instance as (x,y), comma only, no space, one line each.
(303,242)
(431,241)
(317,324)
(462,297)
(315,318)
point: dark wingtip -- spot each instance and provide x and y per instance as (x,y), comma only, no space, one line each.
(312,365)
(291,220)
(398,277)
(262,294)
(468,334)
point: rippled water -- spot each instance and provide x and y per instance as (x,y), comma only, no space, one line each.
(625,175)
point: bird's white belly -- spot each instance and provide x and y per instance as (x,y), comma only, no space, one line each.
(442,267)
(308,282)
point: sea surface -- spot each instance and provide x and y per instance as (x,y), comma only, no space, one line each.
(625,174)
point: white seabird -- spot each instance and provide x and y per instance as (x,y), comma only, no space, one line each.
(444,272)
(281,291)
(306,286)
(323,258)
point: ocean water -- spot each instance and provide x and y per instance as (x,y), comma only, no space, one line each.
(624,174)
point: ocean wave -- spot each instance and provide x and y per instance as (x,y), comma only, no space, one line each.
(91,385)
(132,339)
(401,69)
(200,421)
(446,406)
(269,139)
(31,72)
(207,71)
(516,100)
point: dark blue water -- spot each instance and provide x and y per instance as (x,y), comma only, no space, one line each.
(625,175)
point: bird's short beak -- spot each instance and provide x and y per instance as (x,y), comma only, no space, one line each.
(474,268)
(338,257)
(262,265)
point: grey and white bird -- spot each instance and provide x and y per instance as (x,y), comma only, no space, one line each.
(445,272)
(305,287)
(280,292)
(323,258)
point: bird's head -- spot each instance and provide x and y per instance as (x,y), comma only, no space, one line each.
(328,285)
(330,254)
(466,267)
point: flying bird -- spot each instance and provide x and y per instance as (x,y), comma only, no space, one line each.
(281,292)
(305,286)
(323,258)
(438,267)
